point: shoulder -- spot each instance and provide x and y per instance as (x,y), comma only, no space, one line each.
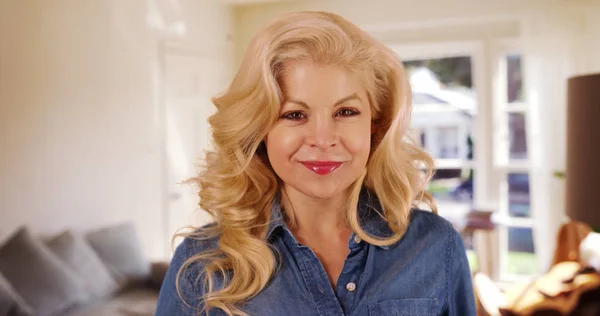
(441,245)
(439,234)
(186,254)
(189,248)
(426,223)
(181,292)
(192,245)
(443,241)
(436,232)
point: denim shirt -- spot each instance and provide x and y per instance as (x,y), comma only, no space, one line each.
(425,273)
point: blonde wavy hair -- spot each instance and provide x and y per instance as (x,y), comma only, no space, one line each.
(237,184)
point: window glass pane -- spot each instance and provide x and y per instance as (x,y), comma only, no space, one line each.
(448,141)
(518,195)
(452,190)
(444,105)
(521,254)
(452,185)
(514,78)
(517,136)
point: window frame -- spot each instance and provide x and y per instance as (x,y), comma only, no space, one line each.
(490,131)
(483,194)
(503,165)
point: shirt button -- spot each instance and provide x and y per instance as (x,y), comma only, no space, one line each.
(357,239)
(351,287)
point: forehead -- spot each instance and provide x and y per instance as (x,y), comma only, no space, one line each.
(311,81)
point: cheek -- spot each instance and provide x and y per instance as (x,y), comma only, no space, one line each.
(358,141)
(281,145)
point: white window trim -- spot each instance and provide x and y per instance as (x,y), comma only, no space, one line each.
(502,163)
(498,49)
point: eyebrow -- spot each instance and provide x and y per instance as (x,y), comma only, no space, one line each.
(303,104)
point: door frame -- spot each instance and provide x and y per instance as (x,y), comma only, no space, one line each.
(166,47)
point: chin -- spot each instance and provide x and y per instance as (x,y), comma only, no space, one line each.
(321,188)
(322,192)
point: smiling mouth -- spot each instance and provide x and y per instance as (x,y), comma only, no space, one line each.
(322,167)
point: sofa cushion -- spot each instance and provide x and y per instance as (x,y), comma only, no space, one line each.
(80,257)
(137,302)
(38,275)
(158,273)
(11,303)
(120,249)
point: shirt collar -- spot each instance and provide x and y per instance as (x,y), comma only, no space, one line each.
(277,220)
(369,210)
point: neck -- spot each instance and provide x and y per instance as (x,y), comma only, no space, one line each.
(314,215)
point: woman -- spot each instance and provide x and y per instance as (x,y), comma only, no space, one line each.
(313,185)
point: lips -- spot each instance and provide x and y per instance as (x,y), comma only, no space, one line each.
(322,167)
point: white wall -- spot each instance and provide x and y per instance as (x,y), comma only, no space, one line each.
(559,42)
(80,124)
(405,19)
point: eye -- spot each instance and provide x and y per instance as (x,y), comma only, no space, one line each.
(347,112)
(294,116)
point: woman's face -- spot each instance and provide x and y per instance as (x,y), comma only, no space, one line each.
(321,143)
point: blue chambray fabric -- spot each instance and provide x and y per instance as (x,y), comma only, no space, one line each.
(425,273)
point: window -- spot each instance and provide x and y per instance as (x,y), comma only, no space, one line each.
(444,110)
(473,121)
(517,251)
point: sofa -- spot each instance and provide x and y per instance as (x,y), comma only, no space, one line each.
(102,272)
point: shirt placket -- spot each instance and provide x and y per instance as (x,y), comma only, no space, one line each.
(348,283)
(316,280)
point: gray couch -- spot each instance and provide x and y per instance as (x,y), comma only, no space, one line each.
(130,303)
(99,273)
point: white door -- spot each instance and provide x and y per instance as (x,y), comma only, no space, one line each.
(187,93)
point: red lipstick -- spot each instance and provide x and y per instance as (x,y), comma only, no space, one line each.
(322,167)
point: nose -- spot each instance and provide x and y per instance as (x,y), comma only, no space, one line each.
(322,133)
